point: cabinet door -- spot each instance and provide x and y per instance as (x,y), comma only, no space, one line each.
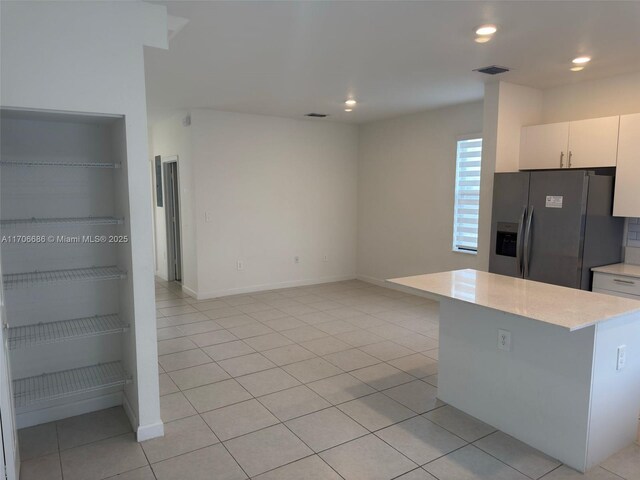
(593,143)
(627,197)
(544,146)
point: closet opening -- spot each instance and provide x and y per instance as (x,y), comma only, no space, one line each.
(66,259)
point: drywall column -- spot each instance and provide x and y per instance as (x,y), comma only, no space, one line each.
(46,67)
(517,106)
(507,108)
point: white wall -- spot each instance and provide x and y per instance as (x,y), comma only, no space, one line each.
(405,183)
(88,57)
(170,139)
(618,95)
(406,175)
(273,188)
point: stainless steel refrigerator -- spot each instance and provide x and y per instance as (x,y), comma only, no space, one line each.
(554,226)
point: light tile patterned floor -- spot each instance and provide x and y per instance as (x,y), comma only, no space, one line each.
(326,382)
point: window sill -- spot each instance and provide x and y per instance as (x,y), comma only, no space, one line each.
(467,252)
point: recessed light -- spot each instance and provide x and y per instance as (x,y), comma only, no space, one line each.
(482,39)
(348,109)
(577,68)
(351,102)
(581,60)
(486,30)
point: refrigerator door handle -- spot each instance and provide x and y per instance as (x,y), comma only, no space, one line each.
(520,240)
(527,242)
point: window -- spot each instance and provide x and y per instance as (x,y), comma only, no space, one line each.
(467,198)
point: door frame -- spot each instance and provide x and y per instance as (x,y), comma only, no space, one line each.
(173,273)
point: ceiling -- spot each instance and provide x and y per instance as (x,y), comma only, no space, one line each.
(289,58)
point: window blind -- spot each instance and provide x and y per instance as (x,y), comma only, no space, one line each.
(467,197)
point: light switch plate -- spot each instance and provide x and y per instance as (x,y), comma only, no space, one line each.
(621,357)
(504,340)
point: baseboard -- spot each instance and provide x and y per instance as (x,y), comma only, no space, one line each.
(393,286)
(131,414)
(162,276)
(71,409)
(269,286)
(147,432)
(143,432)
(372,280)
(190,292)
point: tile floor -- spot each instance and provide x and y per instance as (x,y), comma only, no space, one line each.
(334,381)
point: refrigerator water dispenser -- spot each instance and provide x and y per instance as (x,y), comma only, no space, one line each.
(507,239)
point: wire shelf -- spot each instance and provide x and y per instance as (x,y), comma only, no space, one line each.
(61,221)
(52,386)
(31,279)
(54,332)
(8,163)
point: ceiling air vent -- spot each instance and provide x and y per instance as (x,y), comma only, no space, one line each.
(492,70)
(316,115)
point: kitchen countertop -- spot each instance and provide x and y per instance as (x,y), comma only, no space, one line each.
(625,269)
(565,307)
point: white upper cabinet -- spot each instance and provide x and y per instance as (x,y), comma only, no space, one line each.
(593,143)
(627,197)
(544,146)
(589,143)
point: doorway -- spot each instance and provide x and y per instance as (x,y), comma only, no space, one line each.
(172,215)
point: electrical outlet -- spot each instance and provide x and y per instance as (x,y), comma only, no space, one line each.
(325,258)
(296,259)
(240,265)
(504,340)
(207,217)
(621,358)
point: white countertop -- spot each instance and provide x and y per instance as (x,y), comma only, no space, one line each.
(624,269)
(565,307)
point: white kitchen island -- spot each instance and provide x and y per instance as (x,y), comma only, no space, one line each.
(558,386)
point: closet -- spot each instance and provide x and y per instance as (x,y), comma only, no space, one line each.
(66,260)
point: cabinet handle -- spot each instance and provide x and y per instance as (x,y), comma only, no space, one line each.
(626,282)
(570,155)
(561,159)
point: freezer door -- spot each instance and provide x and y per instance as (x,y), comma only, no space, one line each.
(510,199)
(554,234)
